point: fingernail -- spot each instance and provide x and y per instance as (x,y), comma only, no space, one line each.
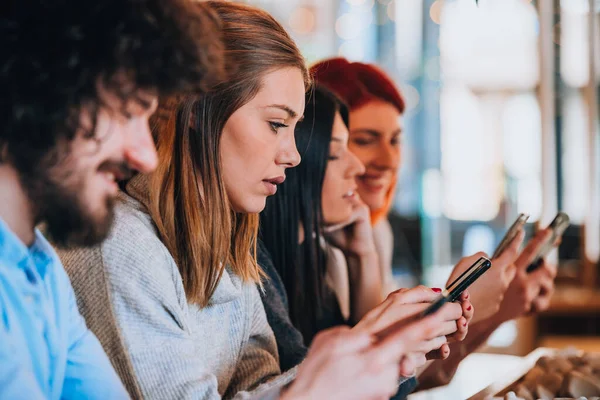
(469,308)
(436,289)
(465,324)
(467,295)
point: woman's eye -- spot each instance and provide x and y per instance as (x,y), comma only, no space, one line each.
(362,142)
(275,126)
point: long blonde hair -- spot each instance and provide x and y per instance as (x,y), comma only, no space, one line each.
(188,201)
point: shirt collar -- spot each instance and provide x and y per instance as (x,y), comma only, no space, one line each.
(14,252)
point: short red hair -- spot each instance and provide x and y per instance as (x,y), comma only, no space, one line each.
(357,84)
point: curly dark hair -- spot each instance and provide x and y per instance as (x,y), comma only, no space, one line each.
(55,53)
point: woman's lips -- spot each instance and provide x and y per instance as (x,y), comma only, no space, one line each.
(271,184)
(271,188)
(373,184)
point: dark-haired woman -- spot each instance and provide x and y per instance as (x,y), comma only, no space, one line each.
(300,234)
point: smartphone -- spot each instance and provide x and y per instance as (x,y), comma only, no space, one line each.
(511,234)
(459,285)
(558,226)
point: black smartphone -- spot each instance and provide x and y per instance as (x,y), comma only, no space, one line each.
(459,285)
(510,235)
(558,226)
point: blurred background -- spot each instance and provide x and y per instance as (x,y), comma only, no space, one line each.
(502,107)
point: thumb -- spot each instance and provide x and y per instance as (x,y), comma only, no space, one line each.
(510,254)
(528,254)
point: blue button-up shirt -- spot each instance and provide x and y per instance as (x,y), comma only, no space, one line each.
(46,350)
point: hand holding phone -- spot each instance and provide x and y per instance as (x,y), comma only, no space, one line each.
(459,285)
(558,226)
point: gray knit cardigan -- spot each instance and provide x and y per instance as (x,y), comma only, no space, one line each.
(131,294)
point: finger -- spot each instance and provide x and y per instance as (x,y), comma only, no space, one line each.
(439,354)
(462,326)
(509,274)
(342,340)
(468,310)
(339,226)
(394,315)
(549,268)
(389,381)
(419,359)
(431,345)
(543,274)
(532,290)
(451,311)
(510,254)
(528,254)
(408,365)
(448,328)
(546,286)
(398,341)
(467,306)
(542,302)
(418,294)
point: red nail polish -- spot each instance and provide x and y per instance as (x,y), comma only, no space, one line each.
(465,324)
(469,308)
(436,289)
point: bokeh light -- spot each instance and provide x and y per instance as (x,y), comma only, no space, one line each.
(391,11)
(302,20)
(352,50)
(355,2)
(351,25)
(435,11)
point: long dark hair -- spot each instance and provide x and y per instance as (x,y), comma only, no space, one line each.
(298,204)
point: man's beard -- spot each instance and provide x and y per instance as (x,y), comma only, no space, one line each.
(57,200)
(70,224)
